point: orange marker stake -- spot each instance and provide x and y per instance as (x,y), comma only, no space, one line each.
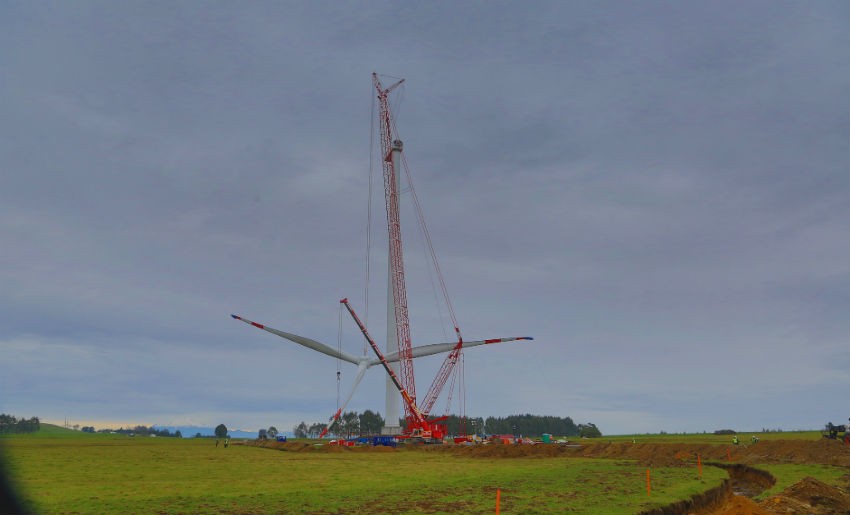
(648,484)
(498,496)
(699,465)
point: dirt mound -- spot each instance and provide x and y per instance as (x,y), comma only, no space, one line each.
(809,496)
(649,454)
(282,446)
(315,447)
(506,451)
(824,452)
(641,452)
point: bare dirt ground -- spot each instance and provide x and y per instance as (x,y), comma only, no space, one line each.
(809,496)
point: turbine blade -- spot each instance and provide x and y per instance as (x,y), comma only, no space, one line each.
(437,348)
(301,340)
(361,369)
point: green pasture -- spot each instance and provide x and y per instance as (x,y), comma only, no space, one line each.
(85,473)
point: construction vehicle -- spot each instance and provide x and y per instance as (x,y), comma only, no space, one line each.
(831,431)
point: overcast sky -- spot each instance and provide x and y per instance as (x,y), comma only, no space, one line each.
(657,192)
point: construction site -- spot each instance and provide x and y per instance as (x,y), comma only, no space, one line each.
(396,359)
(740,494)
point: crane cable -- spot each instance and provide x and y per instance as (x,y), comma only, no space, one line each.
(430,246)
(338,360)
(434,260)
(369,215)
(443,288)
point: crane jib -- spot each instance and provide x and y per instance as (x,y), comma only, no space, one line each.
(410,402)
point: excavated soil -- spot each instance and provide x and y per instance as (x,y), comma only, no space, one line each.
(737,505)
(823,452)
(314,447)
(808,496)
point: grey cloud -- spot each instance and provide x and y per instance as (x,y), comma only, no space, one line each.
(645,188)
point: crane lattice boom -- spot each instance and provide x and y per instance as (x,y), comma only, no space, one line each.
(389,148)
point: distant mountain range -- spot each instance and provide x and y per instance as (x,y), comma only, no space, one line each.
(192,431)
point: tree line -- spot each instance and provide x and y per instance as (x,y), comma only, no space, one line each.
(10,424)
(352,424)
(271,432)
(531,425)
(137,430)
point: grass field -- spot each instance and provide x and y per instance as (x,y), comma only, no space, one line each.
(60,472)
